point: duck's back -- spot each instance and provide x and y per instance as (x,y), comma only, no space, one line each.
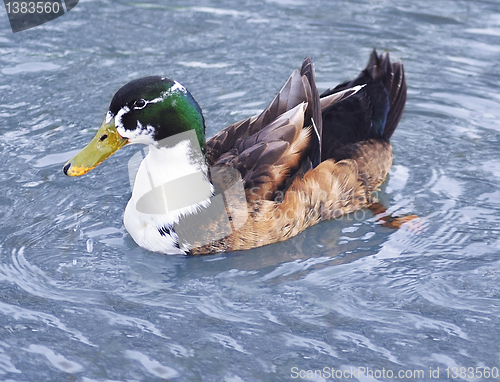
(307,157)
(300,129)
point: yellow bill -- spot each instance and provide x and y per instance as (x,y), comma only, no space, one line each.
(106,142)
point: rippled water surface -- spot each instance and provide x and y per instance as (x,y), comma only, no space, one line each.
(79,301)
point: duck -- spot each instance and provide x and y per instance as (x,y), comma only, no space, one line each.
(306,158)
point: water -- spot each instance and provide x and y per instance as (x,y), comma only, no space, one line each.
(79,301)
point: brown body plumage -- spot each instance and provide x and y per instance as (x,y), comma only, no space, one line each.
(308,158)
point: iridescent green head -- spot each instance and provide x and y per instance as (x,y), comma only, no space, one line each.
(146,111)
(155,108)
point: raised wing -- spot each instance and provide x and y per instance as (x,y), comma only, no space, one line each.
(269,148)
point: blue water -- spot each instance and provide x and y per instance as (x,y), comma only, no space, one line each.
(79,301)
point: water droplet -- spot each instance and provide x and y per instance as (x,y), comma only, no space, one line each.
(90,245)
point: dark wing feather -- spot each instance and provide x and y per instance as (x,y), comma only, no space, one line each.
(225,140)
(269,149)
(267,158)
(313,112)
(290,95)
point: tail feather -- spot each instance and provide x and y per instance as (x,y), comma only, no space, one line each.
(372,113)
(398,100)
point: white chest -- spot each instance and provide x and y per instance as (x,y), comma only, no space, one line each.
(170,182)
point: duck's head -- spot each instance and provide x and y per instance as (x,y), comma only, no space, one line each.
(146,111)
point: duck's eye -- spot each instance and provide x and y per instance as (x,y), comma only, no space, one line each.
(139,104)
